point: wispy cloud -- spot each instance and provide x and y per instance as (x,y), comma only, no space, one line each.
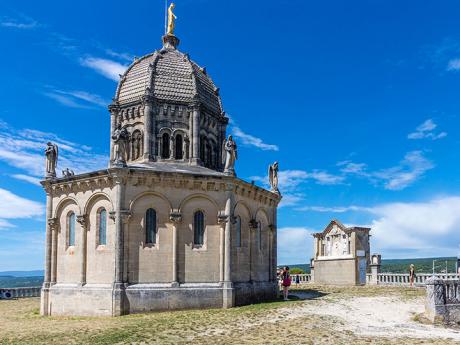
(23,149)
(295,245)
(27,178)
(250,140)
(24,23)
(108,68)
(415,227)
(76,99)
(427,131)
(337,209)
(453,65)
(123,56)
(291,179)
(410,169)
(13,206)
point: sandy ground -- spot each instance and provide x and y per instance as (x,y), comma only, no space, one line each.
(318,315)
(378,316)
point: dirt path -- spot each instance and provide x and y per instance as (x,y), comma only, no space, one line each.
(372,316)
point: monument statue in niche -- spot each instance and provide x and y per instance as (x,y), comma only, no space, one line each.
(51,153)
(229,156)
(120,140)
(273,177)
(171,20)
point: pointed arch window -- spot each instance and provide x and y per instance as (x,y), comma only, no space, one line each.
(151,226)
(238,231)
(165,152)
(198,228)
(179,154)
(71,226)
(102,229)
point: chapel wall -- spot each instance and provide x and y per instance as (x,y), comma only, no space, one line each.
(336,272)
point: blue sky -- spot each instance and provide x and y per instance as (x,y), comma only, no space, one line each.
(358,101)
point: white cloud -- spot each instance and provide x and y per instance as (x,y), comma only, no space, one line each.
(27,178)
(331,209)
(453,65)
(410,169)
(250,140)
(124,56)
(27,24)
(24,150)
(291,179)
(291,199)
(76,99)
(295,245)
(430,228)
(13,206)
(108,68)
(426,131)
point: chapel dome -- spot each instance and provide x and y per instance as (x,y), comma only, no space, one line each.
(170,76)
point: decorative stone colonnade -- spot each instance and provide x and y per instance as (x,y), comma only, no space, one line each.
(118,278)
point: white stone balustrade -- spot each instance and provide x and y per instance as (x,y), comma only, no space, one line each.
(7,293)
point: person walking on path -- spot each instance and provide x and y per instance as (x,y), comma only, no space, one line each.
(412,275)
(286,282)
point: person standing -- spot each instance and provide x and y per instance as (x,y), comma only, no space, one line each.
(297,280)
(286,282)
(412,275)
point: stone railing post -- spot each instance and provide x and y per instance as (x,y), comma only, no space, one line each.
(376,262)
(435,308)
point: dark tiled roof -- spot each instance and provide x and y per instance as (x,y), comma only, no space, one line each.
(172,77)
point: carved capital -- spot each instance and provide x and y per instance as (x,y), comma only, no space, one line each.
(253,224)
(114,108)
(223,218)
(175,216)
(148,98)
(272,227)
(53,223)
(125,216)
(83,220)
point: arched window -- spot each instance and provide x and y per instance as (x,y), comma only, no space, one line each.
(259,235)
(165,146)
(238,231)
(71,225)
(179,154)
(151,226)
(209,154)
(198,228)
(202,149)
(136,145)
(102,231)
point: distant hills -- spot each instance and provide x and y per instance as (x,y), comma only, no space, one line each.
(11,279)
(37,273)
(424,265)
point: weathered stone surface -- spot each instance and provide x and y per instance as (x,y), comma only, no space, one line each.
(442,300)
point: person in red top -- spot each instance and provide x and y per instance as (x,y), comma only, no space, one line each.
(286,282)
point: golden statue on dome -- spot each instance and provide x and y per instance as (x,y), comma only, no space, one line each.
(171,20)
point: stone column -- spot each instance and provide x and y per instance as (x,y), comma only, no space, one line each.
(113,124)
(228,293)
(252,227)
(54,223)
(272,253)
(44,304)
(275,244)
(83,221)
(120,217)
(149,128)
(175,218)
(222,219)
(196,135)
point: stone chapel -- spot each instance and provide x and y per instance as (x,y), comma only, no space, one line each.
(167,225)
